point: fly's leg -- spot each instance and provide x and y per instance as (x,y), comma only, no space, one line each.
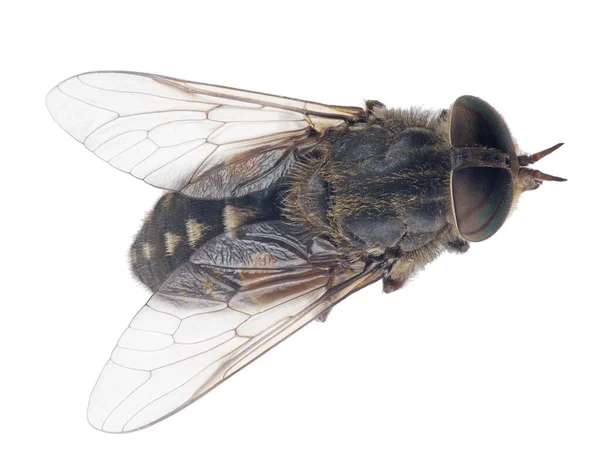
(398,273)
(391,285)
(458,246)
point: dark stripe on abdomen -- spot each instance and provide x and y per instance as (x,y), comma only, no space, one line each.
(178,225)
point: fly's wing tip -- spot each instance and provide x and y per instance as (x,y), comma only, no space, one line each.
(73,107)
(108,410)
(53,103)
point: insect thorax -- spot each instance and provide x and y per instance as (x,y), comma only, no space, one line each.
(381,187)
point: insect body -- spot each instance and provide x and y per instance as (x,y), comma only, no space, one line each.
(277,209)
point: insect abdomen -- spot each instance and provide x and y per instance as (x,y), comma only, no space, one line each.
(178,225)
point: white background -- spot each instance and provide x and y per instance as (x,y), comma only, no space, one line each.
(490,356)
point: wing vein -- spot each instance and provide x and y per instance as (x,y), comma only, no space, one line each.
(88,103)
(173,160)
(142,160)
(176,388)
(121,134)
(110,161)
(143,93)
(125,399)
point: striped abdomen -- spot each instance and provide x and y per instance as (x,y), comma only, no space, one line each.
(178,225)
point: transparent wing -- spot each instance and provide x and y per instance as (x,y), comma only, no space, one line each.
(238,296)
(204,140)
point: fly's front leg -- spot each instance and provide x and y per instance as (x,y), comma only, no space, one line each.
(391,285)
(458,246)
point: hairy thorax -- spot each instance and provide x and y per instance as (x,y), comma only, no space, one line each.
(380,189)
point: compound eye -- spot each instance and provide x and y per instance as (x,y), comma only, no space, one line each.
(474,122)
(481,200)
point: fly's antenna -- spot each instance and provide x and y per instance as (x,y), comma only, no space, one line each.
(531,178)
(541,176)
(527,159)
